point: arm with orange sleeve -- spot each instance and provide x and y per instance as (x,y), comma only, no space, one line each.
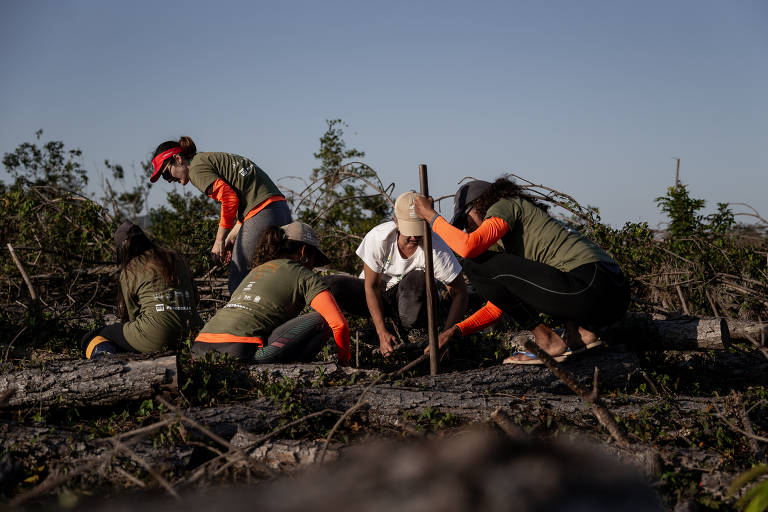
(325,304)
(223,193)
(469,245)
(480,319)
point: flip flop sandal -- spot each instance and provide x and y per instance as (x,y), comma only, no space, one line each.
(597,343)
(588,346)
(535,360)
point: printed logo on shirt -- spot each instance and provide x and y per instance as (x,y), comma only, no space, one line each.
(246,167)
(159,307)
(239,306)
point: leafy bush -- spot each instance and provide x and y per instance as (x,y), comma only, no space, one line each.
(58,235)
(701,265)
(188,224)
(343,201)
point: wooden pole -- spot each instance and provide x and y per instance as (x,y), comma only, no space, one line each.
(431,306)
(677,173)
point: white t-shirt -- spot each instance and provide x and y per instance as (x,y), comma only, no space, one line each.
(379,251)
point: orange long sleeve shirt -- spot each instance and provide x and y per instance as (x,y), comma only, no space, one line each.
(326,305)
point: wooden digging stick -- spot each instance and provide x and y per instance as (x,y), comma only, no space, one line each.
(430,271)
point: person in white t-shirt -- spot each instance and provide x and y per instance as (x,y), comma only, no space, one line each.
(393,283)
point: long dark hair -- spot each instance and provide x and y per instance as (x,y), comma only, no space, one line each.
(275,244)
(137,243)
(503,188)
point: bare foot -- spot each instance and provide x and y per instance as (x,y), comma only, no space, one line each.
(578,337)
(547,339)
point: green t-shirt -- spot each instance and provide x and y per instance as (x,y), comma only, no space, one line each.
(158,314)
(250,183)
(535,235)
(270,295)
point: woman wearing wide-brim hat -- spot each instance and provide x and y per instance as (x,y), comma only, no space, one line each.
(525,262)
(262,322)
(250,201)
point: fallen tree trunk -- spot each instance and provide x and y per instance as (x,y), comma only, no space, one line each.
(642,332)
(746,330)
(62,384)
(83,382)
(114,379)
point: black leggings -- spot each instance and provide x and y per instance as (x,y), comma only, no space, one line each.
(114,333)
(592,295)
(297,340)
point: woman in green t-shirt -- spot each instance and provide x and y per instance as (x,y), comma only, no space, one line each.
(157,299)
(262,322)
(524,262)
(250,201)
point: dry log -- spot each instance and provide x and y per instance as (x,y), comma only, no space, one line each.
(92,383)
(227,421)
(113,379)
(746,329)
(642,332)
(309,374)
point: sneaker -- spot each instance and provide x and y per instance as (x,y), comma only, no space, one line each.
(99,346)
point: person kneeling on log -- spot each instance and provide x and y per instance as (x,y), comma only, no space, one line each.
(157,299)
(261,322)
(537,266)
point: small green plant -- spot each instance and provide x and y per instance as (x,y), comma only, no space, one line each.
(210,379)
(434,420)
(146,409)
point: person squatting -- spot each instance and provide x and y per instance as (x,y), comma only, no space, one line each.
(517,257)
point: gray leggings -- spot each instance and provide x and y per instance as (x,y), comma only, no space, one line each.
(275,214)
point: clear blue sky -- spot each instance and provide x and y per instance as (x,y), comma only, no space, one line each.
(591,98)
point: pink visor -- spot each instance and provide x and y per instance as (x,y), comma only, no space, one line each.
(157,162)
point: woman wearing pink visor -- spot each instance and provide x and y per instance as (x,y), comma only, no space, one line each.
(250,201)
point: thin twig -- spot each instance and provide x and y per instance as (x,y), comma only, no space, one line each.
(8,350)
(602,413)
(349,412)
(32,293)
(682,300)
(506,424)
(361,399)
(282,428)
(747,424)
(750,435)
(135,481)
(120,447)
(215,437)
